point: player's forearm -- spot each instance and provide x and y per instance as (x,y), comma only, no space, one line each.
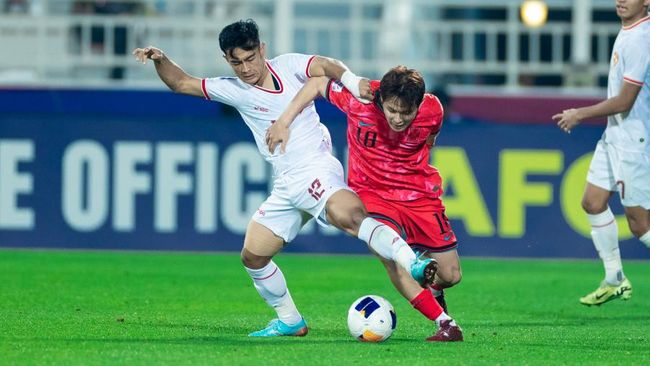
(310,91)
(335,69)
(171,74)
(605,108)
(623,102)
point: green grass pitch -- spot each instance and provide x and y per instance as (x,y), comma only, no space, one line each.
(89,308)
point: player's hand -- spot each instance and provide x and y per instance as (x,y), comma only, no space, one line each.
(152,53)
(365,93)
(277,134)
(567,120)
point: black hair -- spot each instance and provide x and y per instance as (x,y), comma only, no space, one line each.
(403,83)
(242,34)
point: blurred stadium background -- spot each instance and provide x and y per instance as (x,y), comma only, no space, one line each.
(96,153)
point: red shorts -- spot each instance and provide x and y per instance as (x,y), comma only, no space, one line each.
(421,223)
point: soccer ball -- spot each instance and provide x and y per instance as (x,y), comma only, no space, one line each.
(371,318)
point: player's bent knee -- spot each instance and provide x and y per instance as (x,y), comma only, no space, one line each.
(347,218)
(449,278)
(357,215)
(638,228)
(458,276)
(346,211)
(253,261)
(593,208)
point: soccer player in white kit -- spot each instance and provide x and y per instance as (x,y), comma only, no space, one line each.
(621,162)
(308,180)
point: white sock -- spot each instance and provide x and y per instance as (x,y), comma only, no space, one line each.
(435,292)
(271,285)
(645,239)
(386,242)
(436,289)
(444,316)
(604,233)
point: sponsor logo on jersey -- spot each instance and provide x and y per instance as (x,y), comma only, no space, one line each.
(365,124)
(261,109)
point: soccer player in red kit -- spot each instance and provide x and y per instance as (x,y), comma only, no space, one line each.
(389,144)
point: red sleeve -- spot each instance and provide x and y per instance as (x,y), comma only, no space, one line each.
(438,113)
(339,96)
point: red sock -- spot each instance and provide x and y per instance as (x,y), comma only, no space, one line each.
(427,305)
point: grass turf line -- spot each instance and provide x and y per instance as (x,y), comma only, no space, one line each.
(88,308)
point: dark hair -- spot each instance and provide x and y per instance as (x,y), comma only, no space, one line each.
(407,85)
(242,34)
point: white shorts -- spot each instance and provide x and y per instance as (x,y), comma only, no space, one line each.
(625,172)
(299,195)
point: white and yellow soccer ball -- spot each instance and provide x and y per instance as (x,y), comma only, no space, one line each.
(371,318)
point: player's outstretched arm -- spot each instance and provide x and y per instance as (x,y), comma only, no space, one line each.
(335,69)
(278,133)
(169,72)
(623,102)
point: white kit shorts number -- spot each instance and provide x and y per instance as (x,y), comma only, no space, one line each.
(300,194)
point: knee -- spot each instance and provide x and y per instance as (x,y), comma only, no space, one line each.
(252,261)
(457,278)
(637,227)
(450,278)
(357,215)
(351,219)
(592,207)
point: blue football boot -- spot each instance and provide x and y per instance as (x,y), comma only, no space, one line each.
(277,328)
(423,270)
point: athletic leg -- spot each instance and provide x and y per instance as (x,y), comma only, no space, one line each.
(424,302)
(260,245)
(604,233)
(346,211)
(638,218)
(448,275)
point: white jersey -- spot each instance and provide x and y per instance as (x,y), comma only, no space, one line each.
(630,63)
(260,107)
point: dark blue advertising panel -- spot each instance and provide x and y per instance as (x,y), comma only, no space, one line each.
(153,170)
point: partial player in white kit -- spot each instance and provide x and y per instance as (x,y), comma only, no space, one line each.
(621,162)
(308,180)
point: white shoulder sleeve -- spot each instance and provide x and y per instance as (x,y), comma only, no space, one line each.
(226,90)
(637,61)
(297,63)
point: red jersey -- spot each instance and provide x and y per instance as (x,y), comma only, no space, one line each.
(393,164)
